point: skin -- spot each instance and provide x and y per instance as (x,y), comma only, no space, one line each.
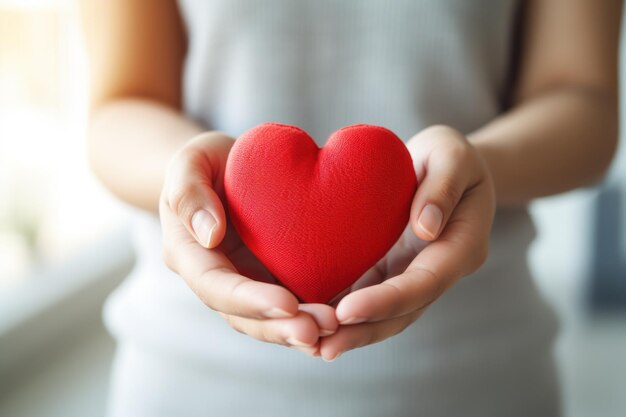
(559,133)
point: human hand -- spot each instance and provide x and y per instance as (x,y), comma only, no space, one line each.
(453,209)
(200,246)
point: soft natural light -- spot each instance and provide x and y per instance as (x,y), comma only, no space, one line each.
(50,204)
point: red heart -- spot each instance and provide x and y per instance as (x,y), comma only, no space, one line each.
(319,218)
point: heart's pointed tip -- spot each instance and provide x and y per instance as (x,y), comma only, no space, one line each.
(311,297)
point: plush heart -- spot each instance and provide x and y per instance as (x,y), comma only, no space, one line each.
(319,218)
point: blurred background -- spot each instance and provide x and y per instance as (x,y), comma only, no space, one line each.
(64,243)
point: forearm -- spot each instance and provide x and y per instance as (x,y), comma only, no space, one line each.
(549,144)
(130,144)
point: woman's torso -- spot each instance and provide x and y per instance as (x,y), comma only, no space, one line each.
(324,64)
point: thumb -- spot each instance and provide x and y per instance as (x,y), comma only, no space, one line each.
(192,179)
(437,196)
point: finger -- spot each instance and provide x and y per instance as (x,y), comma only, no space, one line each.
(298,331)
(358,335)
(193,177)
(395,297)
(324,316)
(460,250)
(215,280)
(444,178)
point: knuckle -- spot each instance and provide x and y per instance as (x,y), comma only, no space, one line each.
(185,180)
(438,289)
(237,293)
(435,286)
(268,335)
(449,191)
(396,306)
(186,200)
(413,317)
(189,154)
(459,152)
(200,292)
(372,337)
(180,195)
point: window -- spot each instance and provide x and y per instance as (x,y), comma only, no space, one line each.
(51,207)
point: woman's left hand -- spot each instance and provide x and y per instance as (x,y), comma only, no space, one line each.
(447,238)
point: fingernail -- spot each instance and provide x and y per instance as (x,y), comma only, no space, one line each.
(203,225)
(353,320)
(277,313)
(326,332)
(332,359)
(295,342)
(430,220)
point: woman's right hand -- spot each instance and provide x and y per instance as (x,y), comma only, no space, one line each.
(200,246)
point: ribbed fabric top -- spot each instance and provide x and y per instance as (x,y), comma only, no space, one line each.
(322,65)
(403,64)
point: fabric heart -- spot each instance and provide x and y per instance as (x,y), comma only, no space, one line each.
(318,219)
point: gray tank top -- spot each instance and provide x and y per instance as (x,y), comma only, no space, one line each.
(484,347)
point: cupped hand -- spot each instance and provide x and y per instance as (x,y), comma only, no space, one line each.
(449,228)
(200,246)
